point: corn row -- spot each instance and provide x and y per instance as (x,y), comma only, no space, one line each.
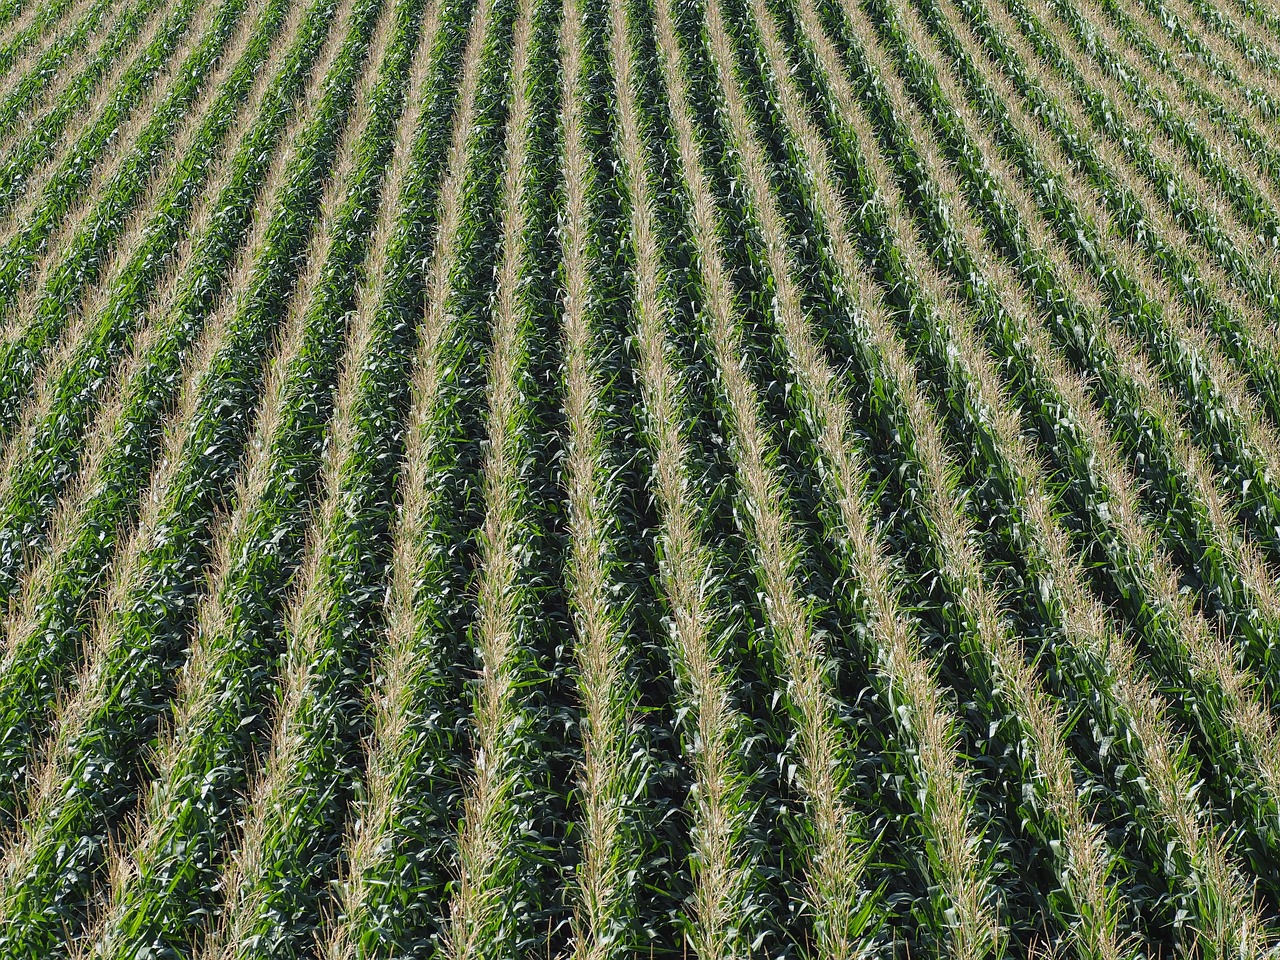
(297,816)
(78,261)
(1085,864)
(484,856)
(405,665)
(1192,189)
(42,458)
(1221,103)
(31,25)
(1142,570)
(204,767)
(834,868)
(49,626)
(1132,201)
(896,654)
(1234,565)
(1178,344)
(1219,169)
(1257,49)
(118,134)
(145,626)
(1216,885)
(601,644)
(1259,85)
(722,869)
(1244,322)
(45,78)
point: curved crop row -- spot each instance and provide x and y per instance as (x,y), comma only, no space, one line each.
(407,666)
(1153,314)
(477,911)
(1244,324)
(1203,186)
(104,736)
(49,628)
(1212,885)
(296,825)
(1144,574)
(204,768)
(1084,863)
(84,254)
(894,653)
(1147,415)
(838,852)
(43,457)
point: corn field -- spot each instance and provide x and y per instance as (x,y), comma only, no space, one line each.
(602,479)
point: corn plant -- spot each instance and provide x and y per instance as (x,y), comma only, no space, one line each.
(212,751)
(841,912)
(609,774)
(1147,573)
(49,628)
(64,188)
(724,869)
(421,681)
(608,478)
(311,776)
(1212,905)
(10,12)
(1243,79)
(145,626)
(19,99)
(44,460)
(83,256)
(1029,149)
(46,18)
